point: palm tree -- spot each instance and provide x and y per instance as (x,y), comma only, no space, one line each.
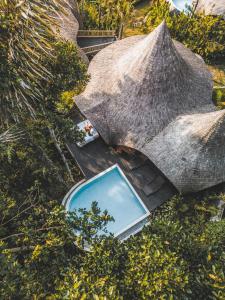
(26,37)
(116,11)
(10,135)
(25,40)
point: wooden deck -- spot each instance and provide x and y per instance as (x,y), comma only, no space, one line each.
(96,33)
(153,188)
(92,41)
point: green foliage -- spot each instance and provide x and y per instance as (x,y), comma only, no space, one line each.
(219,97)
(105,14)
(170,259)
(25,41)
(37,70)
(178,256)
(65,102)
(40,247)
(69,73)
(34,157)
(87,225)
(205,35)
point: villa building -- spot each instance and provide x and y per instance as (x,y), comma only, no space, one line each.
(154,95)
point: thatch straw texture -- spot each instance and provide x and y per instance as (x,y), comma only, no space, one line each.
(211,7)
(68,25)
(73,5)
(191,151)
(140,84)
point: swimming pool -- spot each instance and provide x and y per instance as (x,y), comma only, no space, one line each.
(113,192)
(181,5)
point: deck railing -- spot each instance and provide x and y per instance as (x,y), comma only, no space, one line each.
(96,48)
(91,33)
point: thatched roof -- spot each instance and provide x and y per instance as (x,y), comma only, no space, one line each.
(140,84)
(73,4)
(211,7)
(191,151)
(68,25)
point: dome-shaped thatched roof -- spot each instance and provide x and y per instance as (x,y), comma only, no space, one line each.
(211,7)
(140,84)
(191,151)
(73,5)
(68,25)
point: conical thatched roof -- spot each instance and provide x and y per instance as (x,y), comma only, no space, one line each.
(140,84)
(191,151)
(211,7)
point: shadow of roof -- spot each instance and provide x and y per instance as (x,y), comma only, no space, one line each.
(150,184)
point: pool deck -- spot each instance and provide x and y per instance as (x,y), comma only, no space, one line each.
(150,184)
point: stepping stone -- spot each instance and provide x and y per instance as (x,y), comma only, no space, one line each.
(154,186)
(137,180)
(162,195)
(147,172)
(135,163)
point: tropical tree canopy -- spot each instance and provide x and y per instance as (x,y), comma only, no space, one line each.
(24,43)
(34,70)
(105,14)
(179,255)
(205,35)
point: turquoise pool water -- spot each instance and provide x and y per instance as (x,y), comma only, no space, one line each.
(113,192)
(182,4)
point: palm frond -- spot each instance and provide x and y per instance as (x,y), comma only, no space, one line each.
(25,42)
(10,135)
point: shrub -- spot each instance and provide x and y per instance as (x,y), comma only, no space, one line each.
(219,97)
(107,14)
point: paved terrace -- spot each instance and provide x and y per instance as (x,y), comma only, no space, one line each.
(147,180)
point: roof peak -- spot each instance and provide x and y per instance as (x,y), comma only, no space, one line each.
(162,27)
(139,84)
(160,38)
(155,53)
(157,37)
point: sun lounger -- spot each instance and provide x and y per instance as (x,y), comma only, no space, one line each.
(89,137)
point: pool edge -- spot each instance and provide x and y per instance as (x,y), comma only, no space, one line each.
(138,224)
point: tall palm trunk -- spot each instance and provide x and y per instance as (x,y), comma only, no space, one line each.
(60,151)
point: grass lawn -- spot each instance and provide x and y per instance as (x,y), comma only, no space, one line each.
(218,72)
(140,12)
(142,7)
